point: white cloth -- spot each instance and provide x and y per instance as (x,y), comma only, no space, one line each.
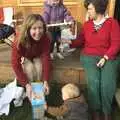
(7,94)
(8,15)
(66,34)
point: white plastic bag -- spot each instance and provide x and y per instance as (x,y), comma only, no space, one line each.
(66,34)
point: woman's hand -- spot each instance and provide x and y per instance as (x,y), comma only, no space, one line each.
(29,91)
(101,62)
(46,87)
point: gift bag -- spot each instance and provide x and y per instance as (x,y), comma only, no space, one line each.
(38,100)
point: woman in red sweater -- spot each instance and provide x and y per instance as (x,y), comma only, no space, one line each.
(100,40)
(30,53)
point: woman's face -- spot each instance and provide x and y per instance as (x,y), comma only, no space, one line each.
(36,31)
(91,11)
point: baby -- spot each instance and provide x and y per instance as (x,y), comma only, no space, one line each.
(74,107)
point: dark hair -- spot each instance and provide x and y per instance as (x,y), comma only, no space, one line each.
(100,5)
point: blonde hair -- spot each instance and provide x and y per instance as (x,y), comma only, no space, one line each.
(71,90)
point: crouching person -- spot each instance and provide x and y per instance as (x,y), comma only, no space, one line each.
(74,107)
(30,54)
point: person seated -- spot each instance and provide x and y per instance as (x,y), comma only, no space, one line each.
(74,106)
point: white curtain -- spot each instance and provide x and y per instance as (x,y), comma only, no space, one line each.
(8,15)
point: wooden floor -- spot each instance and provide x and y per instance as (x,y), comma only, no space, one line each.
(70,61)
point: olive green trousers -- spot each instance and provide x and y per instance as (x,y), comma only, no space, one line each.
(101,82)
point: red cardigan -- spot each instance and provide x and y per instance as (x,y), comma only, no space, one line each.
(105,41)
(38,49)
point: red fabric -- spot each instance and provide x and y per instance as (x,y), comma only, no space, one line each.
(104,42)
(38,49)
(1,15)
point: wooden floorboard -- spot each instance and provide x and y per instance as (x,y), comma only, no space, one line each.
(70,61)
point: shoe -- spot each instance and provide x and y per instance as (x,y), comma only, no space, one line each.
(52,56)
(60,56)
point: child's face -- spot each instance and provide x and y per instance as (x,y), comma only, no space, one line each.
(55,2)
(36,31)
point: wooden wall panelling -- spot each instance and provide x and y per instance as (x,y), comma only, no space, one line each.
(30,2)
(111,7)
(29,10)
(8,3)
(81,12)
(40,2)
(73,10)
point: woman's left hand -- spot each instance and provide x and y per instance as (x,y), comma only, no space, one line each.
(101,62)
(46,87)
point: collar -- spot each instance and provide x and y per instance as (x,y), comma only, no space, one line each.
(100,22)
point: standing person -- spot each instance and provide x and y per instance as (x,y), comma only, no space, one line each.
(100,41)
(55,12)
(30,54)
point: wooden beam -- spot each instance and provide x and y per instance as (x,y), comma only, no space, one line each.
(111,8)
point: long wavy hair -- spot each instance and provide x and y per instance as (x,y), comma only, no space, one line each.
(25,36)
